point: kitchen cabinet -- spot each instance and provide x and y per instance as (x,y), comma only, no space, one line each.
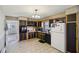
(22,22)
(31,35)
(71,17)
(39,35)
(30,23)
(34,23)
(50,22)
(39,23)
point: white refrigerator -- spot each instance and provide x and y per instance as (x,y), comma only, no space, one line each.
(58,36)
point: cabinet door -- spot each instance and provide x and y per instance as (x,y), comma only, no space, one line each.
(71,17)
(39,24)
(35,24)
(50,22)
(71,37)
(22,22)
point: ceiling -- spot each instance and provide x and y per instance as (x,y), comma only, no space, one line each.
(27,10)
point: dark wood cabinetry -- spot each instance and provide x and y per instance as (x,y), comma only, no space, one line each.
(34,23)
(50,22)
(31,23)
(31,35)
(71,17)
(39,24)
(22,22)
(39,35)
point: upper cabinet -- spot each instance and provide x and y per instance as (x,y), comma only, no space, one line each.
(34,23)
(71,17)
(50,22)
(30,23)
(62,19)
(39,23)
(22,22)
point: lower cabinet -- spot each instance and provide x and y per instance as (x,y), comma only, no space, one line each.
(31,35)
(39,35)
(42,36)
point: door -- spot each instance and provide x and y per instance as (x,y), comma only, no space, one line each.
(2,32)
(12,32)
(71,37)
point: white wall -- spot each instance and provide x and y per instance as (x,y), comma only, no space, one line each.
(2,32)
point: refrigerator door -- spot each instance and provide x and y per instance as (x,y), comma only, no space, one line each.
(60,27)
(58,36)
(58,41)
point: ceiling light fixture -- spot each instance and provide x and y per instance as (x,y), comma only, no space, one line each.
(36,16)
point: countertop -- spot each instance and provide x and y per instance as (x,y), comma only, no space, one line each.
(38,31)
(44,32)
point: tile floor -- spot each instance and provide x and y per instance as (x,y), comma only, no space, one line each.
(31,46)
